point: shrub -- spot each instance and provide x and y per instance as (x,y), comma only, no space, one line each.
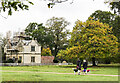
(10,61)
(46,52)
(19,61)
(55,60)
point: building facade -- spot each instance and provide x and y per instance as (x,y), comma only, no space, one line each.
(21,48)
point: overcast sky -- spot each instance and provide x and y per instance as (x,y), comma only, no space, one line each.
(40,13)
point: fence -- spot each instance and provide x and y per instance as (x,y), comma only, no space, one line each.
(32,64)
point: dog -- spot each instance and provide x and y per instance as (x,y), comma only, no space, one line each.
(88,70)
(76,70)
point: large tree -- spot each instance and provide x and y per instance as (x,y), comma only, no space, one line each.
(40,33)
(2,45)
(9,6)
(70,54)
(107,17)
(95,38)
(16,5)
(115,6)
(30,28)
(57,28)
(103,16)
(0,49)
(116,30)
(116,27)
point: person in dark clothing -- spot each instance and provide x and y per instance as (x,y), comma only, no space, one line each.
(79,66)
(85,66)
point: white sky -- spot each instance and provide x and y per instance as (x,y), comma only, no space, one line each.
(40,13)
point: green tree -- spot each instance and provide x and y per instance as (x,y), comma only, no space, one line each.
(109,18)
(103,16)
(57,28)
(95,38)
(2,45)
(30,28)
(114,5)
(40,33)
(13,5)
(70,54)
(116,27)
(17,5)
(62,55)
(116,30)
(0,49)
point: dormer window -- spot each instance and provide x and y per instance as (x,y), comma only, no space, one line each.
(32,48)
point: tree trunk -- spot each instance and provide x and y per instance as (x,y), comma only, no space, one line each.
(107,61)
(0,54)
(93,61)
(56,46)
(55,50)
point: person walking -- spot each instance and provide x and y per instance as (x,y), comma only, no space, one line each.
(79,66)
(85,66)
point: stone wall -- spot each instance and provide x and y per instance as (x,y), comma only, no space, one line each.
(47,59)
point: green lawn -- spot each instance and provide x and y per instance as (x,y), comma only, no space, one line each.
(8,76)
(35,75)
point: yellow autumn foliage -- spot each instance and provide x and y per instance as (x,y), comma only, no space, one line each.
(46,52)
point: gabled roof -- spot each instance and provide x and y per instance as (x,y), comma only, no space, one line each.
(26,42)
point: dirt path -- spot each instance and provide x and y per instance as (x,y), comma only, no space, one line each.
(58,73)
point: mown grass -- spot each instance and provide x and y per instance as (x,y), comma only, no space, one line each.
(15,76)
(63,69)
(0,74)
(34,75)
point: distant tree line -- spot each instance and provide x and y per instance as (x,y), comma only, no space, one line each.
(98,37)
